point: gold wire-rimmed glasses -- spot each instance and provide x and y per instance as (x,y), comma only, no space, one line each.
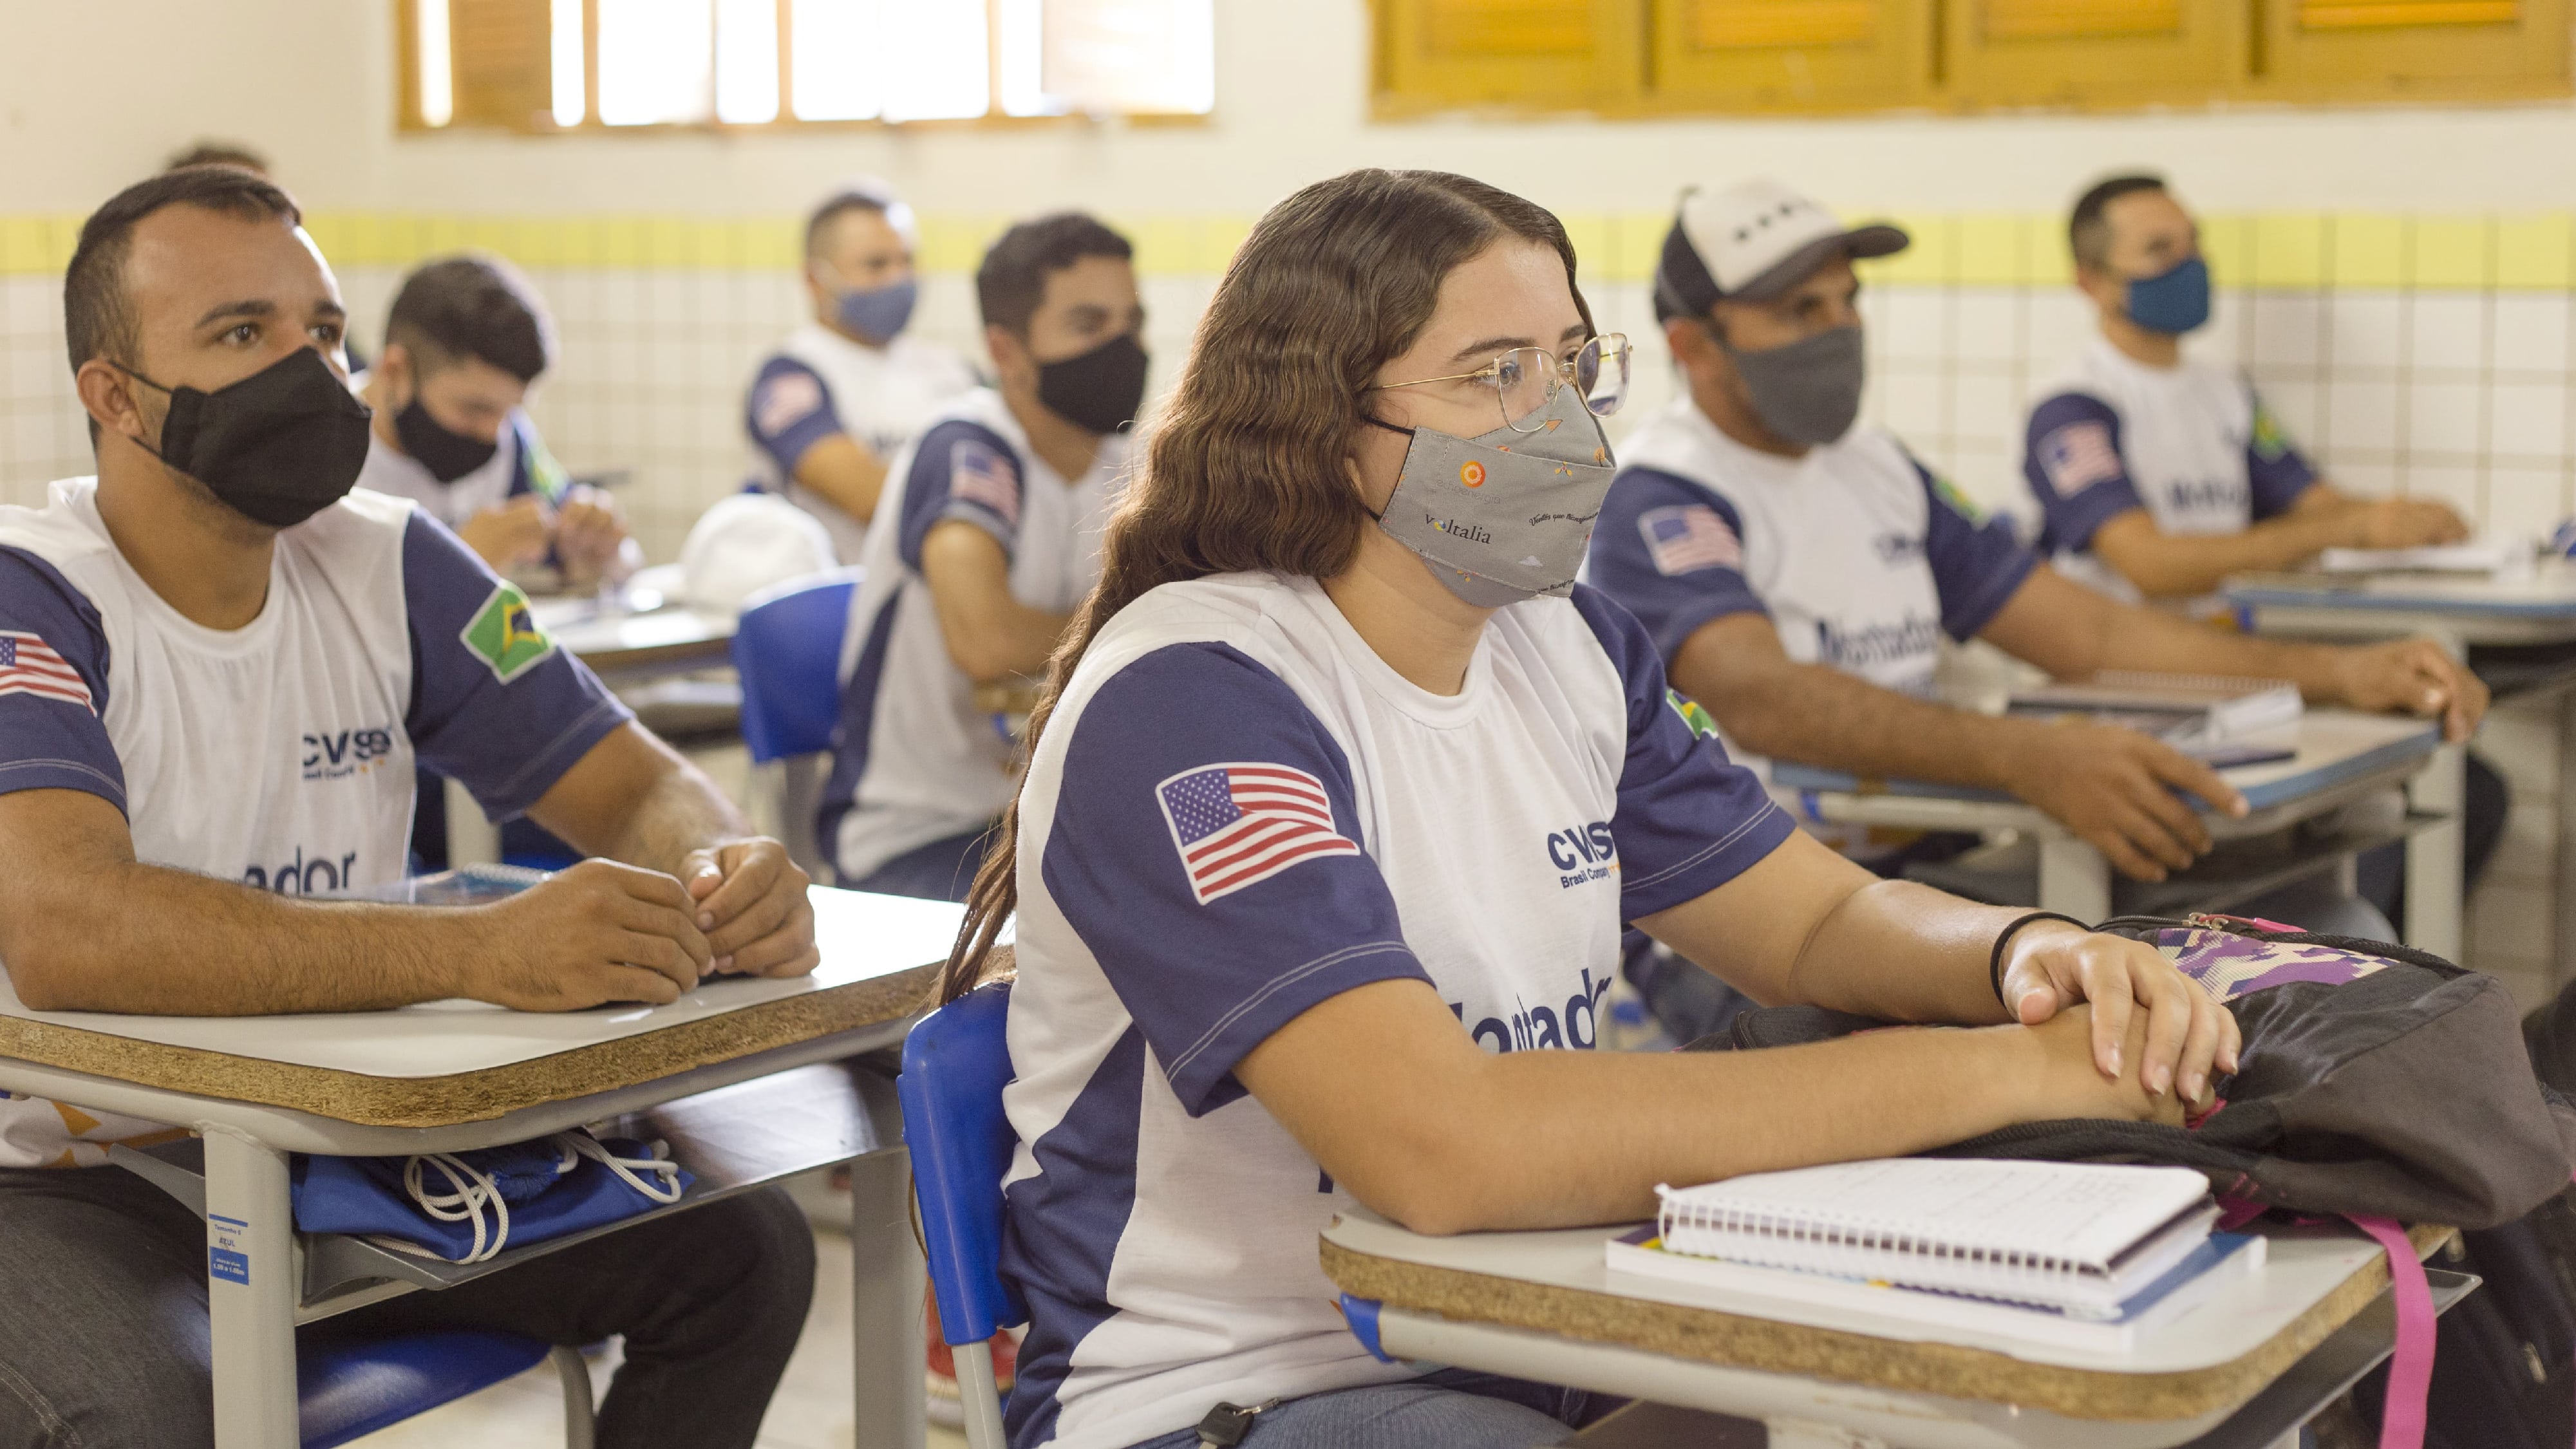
(1525,379)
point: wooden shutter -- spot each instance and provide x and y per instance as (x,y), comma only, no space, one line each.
(501,60)
(2090,53)
(2394,49)
(1791,55)
(1536,55)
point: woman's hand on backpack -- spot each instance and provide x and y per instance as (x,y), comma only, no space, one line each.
(2071,1085)
(2147,1017)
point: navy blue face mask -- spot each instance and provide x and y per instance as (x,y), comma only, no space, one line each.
(878,314)
(2174,303)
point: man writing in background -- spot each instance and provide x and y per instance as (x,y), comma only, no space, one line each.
(466,341)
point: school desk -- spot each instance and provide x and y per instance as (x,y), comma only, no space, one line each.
(2342,756)
(2241,1370)
(453,1075)
(2459,612)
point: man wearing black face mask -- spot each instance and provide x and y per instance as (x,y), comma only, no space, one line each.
(218,665)
(986,539)
(466,340)
(1800,571)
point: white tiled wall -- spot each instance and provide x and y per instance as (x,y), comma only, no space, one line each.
(2459,395)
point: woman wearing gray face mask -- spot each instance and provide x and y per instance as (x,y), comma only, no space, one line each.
(1310,820)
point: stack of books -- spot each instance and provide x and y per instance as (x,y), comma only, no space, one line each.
(2047,1253)
(2209,717)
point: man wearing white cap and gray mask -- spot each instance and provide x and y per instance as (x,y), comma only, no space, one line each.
(1799,570)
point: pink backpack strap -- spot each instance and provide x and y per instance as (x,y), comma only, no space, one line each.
(2410,1371)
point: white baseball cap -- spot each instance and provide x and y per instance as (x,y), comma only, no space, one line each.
(1754,240)
(744,544)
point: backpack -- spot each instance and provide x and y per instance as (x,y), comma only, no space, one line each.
(2386,1085)
(2374,1081)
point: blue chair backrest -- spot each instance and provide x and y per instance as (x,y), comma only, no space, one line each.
(956,1062)
(787,648)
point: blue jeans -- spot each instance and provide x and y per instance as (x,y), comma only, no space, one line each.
(1450,1409)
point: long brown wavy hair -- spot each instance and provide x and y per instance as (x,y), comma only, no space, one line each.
(1245,467)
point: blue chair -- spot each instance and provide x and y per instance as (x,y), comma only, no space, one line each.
(348,1389)
(955,1064)
(787,650)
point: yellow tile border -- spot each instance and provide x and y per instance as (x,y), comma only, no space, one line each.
(2271,250)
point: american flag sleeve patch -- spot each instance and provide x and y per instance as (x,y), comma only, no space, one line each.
(983,477)
(1689,536)
(2077,456)
(1237,825)
(29,665)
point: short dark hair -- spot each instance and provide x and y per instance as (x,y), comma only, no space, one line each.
(2088,229)
(472,306)
(217,153)
(872,196)
(1011,282)
(98,317)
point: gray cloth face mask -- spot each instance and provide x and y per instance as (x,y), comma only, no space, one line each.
(1807,392)
(1505,516)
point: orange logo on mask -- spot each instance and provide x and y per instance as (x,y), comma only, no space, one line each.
(1472,473)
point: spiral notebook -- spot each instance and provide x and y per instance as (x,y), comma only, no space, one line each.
(2080,1239)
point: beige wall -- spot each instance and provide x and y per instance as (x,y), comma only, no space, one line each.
(94,92)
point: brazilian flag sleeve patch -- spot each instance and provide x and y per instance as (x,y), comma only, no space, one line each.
(546,477)
(2271,440)
(1699,720)
(504,634)
(1948,492)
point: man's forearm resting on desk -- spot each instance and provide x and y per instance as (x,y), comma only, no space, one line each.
(86,926)
(2114,788)
(2186,565)
(2072,631)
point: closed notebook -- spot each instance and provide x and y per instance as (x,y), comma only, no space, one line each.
(1793,1296)
(2079,1238)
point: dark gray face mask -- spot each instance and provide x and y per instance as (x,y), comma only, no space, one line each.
(1505,516)
(1807,392)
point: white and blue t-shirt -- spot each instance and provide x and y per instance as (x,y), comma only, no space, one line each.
(2191,444)
(914,761)
(1237,811)
(819,383)
(520,463)
(279,754)
(1861,557)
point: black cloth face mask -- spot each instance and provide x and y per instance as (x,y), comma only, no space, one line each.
(276,447)
(1097,391)
(447,454)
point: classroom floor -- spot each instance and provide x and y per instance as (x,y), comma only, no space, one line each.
(812,1410)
